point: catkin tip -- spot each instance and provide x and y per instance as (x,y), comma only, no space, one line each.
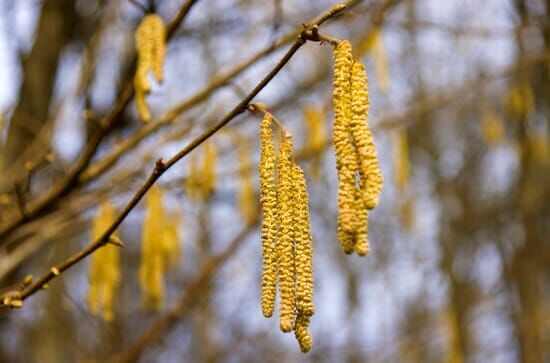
(286,325)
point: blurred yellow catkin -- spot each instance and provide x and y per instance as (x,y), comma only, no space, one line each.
(316,136)
(150,38)
(520,100)
(401,164)
(246,195)
(159,249)
(104,274)
(201,180)
(492,127)
(373,43)
(171,240)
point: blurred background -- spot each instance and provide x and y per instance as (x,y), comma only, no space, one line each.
(459,262)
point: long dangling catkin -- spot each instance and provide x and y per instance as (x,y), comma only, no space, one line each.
(285,247)
(346,159)
(150,40)
(104,273)
(301,332)
(151,271)
(362,234)
(268,200)
(304,248)
(364,143)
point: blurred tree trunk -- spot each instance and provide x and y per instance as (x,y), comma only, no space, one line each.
(53,32)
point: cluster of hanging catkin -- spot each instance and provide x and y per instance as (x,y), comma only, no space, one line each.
(104,275)
(150,40)
(359,176)
(286,237)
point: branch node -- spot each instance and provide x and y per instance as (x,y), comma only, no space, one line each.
(159,165)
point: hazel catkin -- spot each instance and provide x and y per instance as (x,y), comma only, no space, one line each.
(362,136)
(346,159)
(268,200)
(246,195)
(104,275)
(153,257)
(303,336)
(150,38)
(285,247)
(304,248)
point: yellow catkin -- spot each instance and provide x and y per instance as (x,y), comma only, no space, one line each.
(346,159)
(208,172)
(362,234)
(381,64)
(304,248)
(302,334)
(171,242)
(200,183)
(158,31)
(492,127)
(316,136)
(153,264)
(364,142)
(367,43)
(150,38)
(141,105)
(401,159)
(285,247)
(192,181)
(268,200)
(104,273)
(246,196)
